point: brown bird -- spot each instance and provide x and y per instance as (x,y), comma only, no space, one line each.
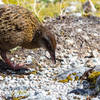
(19,27)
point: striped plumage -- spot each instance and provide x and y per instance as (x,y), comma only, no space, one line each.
(19,27)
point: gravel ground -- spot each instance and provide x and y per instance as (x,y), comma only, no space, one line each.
(78,49)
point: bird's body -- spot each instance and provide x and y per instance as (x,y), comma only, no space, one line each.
(19,27)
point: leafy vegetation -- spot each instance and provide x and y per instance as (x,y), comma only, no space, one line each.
(52,8)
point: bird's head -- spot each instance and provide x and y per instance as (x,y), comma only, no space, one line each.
(47,40)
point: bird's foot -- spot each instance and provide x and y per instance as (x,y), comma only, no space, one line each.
(17,66)
(11,65)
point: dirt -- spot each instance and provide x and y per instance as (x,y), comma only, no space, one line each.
(80,35)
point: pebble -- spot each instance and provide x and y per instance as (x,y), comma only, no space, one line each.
(29,59)
(79,30)
(77,14)
(70,9)
(16,56)
(12,59)
(45,85)
(47,54)
(1,78)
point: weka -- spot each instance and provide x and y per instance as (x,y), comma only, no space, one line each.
(19,27)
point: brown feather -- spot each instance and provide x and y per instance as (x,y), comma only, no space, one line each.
(19,27)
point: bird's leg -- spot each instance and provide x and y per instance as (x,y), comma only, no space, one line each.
(7,61)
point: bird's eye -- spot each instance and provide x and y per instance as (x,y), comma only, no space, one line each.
(38,33)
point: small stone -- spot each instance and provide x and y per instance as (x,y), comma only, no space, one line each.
(12,59)
(96,53)
(1,78)
(29,59)
(70,9)
(79,30)
(98,81)
(77,14)
(16,56)
(47,54)
(70,41)
(89,63)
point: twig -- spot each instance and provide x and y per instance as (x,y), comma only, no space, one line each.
(61,12)
(86,73)
(34,7)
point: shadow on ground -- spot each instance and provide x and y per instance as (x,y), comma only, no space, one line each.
(84,91)
(5,69)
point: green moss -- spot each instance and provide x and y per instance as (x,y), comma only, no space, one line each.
(33,72)
(69,78)
(64,81)
(20,97)
(76,78)
(93,76)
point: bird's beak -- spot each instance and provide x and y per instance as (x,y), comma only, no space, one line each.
(53,58)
